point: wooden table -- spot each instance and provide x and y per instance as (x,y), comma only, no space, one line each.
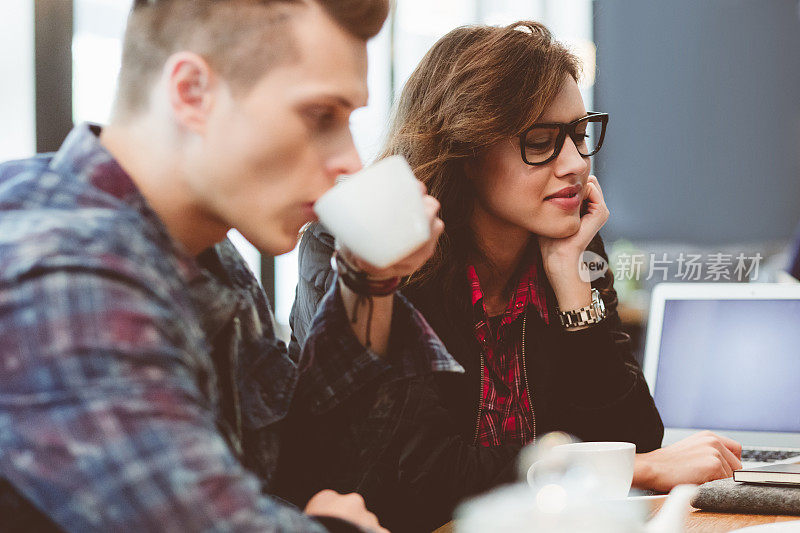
(703,522)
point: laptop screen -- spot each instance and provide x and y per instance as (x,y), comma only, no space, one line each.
(730,365)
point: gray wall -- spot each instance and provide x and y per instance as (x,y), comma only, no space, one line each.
(704,137)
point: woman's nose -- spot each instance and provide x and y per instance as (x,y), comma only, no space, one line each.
(570,161)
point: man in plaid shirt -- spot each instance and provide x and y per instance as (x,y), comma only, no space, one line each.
(141,383)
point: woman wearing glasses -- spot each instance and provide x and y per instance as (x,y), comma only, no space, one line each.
(492,121)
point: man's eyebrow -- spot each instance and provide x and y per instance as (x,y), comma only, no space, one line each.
(330,98)
(350,100)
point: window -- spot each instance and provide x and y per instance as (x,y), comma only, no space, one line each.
(96,49)
(17,91)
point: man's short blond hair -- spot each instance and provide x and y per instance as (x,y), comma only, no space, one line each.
(240,39)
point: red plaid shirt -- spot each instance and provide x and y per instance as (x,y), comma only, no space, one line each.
(505,413)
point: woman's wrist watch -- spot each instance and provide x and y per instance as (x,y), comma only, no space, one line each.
(585,316)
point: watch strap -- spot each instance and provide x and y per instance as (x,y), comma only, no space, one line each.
(585,316)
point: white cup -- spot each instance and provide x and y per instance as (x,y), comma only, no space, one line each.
(377,213)
(607,465)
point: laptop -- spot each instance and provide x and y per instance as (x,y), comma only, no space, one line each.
(726,357)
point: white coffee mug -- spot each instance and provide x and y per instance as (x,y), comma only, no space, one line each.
(609,465)
(377,213)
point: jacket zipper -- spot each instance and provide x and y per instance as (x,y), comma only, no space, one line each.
(525,373)
(480,403)
(527,387)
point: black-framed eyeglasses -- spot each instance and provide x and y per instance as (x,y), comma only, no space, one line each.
(541,143)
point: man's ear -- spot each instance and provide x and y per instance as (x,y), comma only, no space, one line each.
(191,86)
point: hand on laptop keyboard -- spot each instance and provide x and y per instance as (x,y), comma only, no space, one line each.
(697,459)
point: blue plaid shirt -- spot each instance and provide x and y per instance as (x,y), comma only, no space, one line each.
(140,388)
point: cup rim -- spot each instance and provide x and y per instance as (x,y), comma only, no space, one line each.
(598,446)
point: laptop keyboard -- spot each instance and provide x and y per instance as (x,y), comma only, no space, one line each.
(768,455)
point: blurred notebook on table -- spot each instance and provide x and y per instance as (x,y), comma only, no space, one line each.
(776,474)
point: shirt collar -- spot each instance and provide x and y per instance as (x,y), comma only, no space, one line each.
(531,289)
(83,157)
(215,296)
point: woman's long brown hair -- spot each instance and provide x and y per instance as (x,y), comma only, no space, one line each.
(477,86)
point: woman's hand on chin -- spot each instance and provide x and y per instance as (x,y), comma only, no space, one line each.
(562,257)
(559,254)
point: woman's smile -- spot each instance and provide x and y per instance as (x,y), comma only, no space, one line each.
(568,198)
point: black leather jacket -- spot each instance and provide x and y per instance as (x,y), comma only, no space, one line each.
(586,383)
